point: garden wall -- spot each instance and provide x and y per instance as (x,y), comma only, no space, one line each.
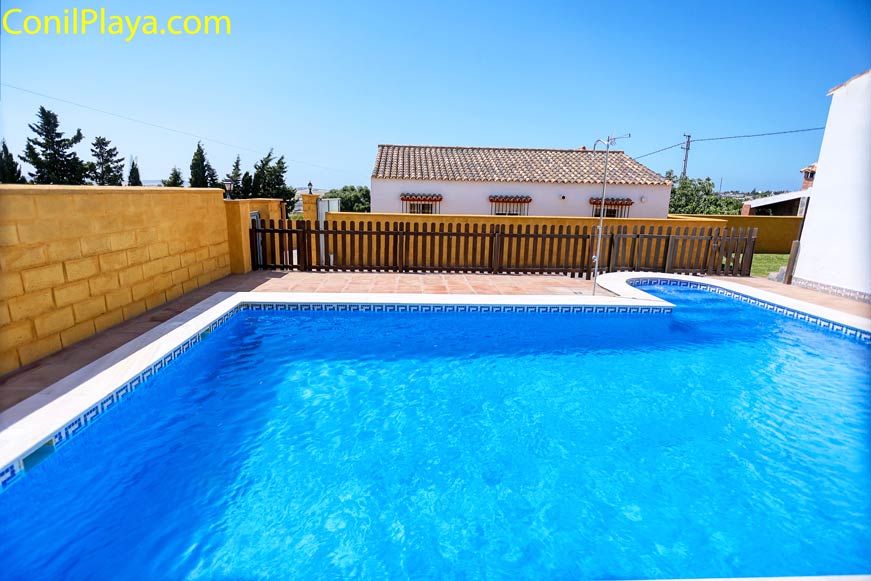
(776,233)
(75,260)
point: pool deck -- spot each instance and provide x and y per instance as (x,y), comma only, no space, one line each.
(31,379)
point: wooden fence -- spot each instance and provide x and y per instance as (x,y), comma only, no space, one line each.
(496,248)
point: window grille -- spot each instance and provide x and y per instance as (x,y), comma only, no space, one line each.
(614,207)
(509,205)
(421,203)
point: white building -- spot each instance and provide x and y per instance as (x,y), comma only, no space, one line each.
(424,179)
(835,251)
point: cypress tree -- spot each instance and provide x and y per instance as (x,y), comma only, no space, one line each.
(108,167)
(235,176)
(212,177)
(51,154)
(10,173)
(247,186)
(203,175)
(175,179)
(133,177)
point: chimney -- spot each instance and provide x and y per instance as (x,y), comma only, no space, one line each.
(808,175)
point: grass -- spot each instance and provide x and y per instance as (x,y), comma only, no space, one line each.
(765,263)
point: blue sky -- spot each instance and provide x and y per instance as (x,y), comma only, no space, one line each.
(325,82)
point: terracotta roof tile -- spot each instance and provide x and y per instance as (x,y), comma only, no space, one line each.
(500,164)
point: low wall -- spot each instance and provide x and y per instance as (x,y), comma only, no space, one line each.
(239,223)
(776,233)
(75,260)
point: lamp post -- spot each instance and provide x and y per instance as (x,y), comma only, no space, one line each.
(228,188)
(611,140)
(309,188)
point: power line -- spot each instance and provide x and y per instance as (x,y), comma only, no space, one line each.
(164,128)
(660,150)
(761,134)
(688,141)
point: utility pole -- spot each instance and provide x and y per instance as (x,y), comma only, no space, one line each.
(686,155)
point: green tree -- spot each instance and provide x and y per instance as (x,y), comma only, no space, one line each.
(108,167)
(51,154)
(203,175)
(246,186)
(175,179)
(10,173)
(235,176)
(354,198)
(212,180)
(696,196)
(269,181)
(133,178)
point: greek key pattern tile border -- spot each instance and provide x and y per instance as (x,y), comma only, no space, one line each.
(847,331)
(401,308)
(13,471)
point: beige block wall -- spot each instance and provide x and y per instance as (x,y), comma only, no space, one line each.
(775,235)
(239,224)
(75,260)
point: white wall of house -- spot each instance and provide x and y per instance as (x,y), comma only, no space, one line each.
(836,240)
(547,199)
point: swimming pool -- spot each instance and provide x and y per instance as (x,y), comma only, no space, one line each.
(719,440)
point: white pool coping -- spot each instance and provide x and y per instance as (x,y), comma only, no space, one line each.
(618,283)
(29,424)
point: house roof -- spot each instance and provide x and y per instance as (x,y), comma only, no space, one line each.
(505,164)
(777,198)
(847,82)
(811,167)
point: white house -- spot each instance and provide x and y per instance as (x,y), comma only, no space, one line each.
(425,179)
(835,251)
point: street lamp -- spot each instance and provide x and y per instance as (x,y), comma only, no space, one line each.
(611,140)
(309,188)
(228,188)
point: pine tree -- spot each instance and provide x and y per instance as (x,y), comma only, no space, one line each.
(133,177)
(175,179)
(10,173)
(269,180)
(203,175)
(235,176)
(51,154)
(247,186)
(212,177)
(108,166)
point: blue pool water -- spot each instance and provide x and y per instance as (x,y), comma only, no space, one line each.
(720,440)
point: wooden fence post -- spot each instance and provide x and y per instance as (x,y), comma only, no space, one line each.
(747,258)
(495,248)
(302,258)
(402,245)
(670,249)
